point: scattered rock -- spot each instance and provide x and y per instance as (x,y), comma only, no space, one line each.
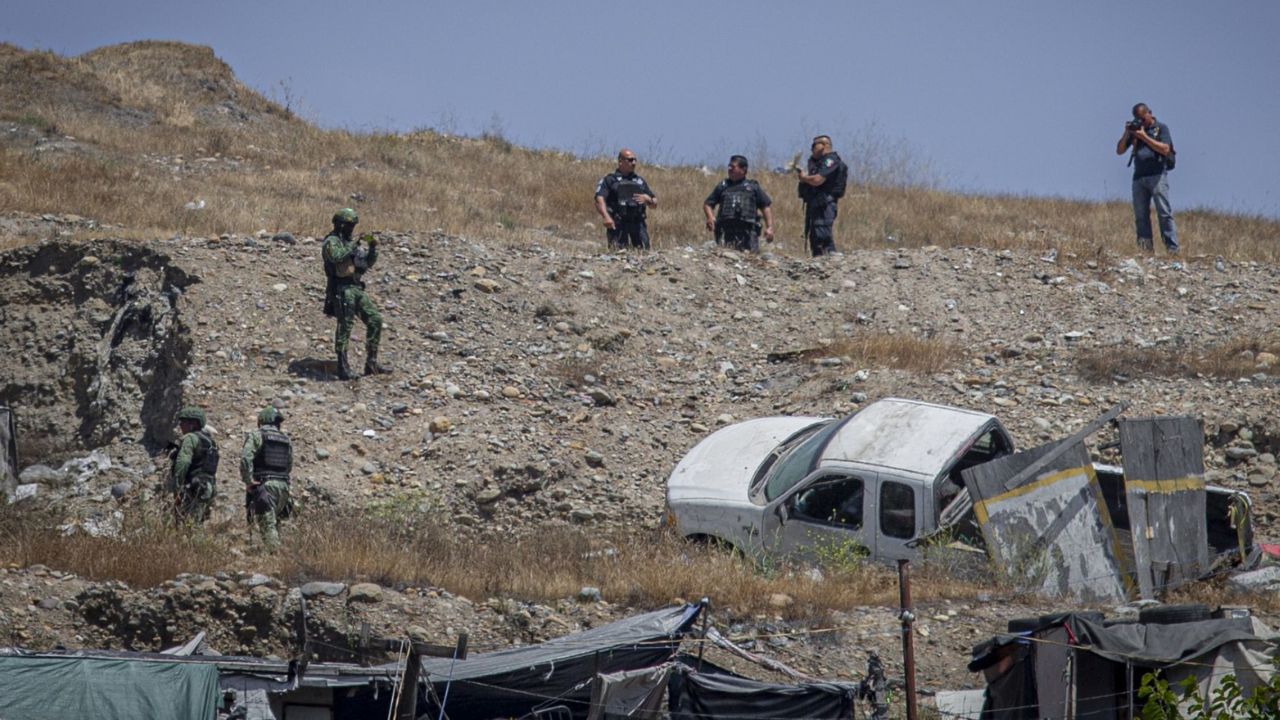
(43,475)
(781,601)
(329,589)
(365,593)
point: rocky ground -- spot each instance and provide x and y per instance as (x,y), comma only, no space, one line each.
(552,384)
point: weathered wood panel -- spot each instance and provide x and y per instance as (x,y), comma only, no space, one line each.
(1051,531)
(8,453)
(1163,461)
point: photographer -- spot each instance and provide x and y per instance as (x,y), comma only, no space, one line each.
(1152,146)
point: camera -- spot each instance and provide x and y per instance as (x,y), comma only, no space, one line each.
(1134,125)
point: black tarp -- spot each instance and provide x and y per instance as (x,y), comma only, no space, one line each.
(1157,644)
(511,683)
(698,696)
(701,696)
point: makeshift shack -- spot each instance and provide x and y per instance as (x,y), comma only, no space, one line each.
(1081,667)
(627,669)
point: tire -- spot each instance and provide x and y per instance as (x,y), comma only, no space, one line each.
(1173,614)
(1027,624)
(1055,618)
(1021,625)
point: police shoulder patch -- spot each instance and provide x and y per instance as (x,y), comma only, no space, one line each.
(830,162)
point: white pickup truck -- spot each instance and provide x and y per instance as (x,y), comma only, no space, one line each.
(882,477)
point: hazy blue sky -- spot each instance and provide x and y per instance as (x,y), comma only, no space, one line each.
(1008,96)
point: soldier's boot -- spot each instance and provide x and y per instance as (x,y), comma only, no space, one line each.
(344,369)
(372,367)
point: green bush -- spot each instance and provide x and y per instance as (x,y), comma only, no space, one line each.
(1228,701)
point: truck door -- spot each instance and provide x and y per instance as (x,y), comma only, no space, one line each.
(897,512)
(826,513)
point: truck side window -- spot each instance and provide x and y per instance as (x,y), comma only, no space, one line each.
(897,510)
(831,502)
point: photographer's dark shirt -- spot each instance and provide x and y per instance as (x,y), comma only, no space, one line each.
(1148,162)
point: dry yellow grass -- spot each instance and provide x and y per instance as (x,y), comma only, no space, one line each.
(644,569)
(147,551)
(1238,358)
(897,350)
(291,176)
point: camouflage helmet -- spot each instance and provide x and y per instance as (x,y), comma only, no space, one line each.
(270,416)
(346,216)
(192,413)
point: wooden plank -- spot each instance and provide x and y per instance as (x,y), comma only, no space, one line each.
(8,453)
(1163,461)
(406,704)
(1077,437)
(1050,532)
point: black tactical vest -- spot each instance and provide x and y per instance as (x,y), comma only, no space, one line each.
(738,202)
(624,207)
(204,460)
(275,457)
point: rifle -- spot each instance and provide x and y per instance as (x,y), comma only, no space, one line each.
(250,492)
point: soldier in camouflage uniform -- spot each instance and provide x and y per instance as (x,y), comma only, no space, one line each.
(193,480)
(346,261)
(265,465)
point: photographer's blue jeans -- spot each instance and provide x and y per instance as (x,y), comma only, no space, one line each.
(1145,190)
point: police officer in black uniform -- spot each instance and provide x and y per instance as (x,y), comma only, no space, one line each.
(741,201)
(621,199)
(821,186)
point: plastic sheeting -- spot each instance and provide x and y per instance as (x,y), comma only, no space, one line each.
(48,688)
(699,696)
(635,694)
(510,683)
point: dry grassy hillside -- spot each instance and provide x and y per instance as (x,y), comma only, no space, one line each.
(543,389)
(130,134)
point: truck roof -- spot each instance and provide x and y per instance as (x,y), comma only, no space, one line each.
(907,435)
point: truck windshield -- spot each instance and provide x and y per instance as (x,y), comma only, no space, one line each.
(796,460)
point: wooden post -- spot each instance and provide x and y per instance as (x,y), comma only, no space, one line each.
(908,644)
(406,706)
(706,611)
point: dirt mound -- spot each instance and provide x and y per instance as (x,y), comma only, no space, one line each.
(94,341)
(178,81)
(133,84)
(39,85)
